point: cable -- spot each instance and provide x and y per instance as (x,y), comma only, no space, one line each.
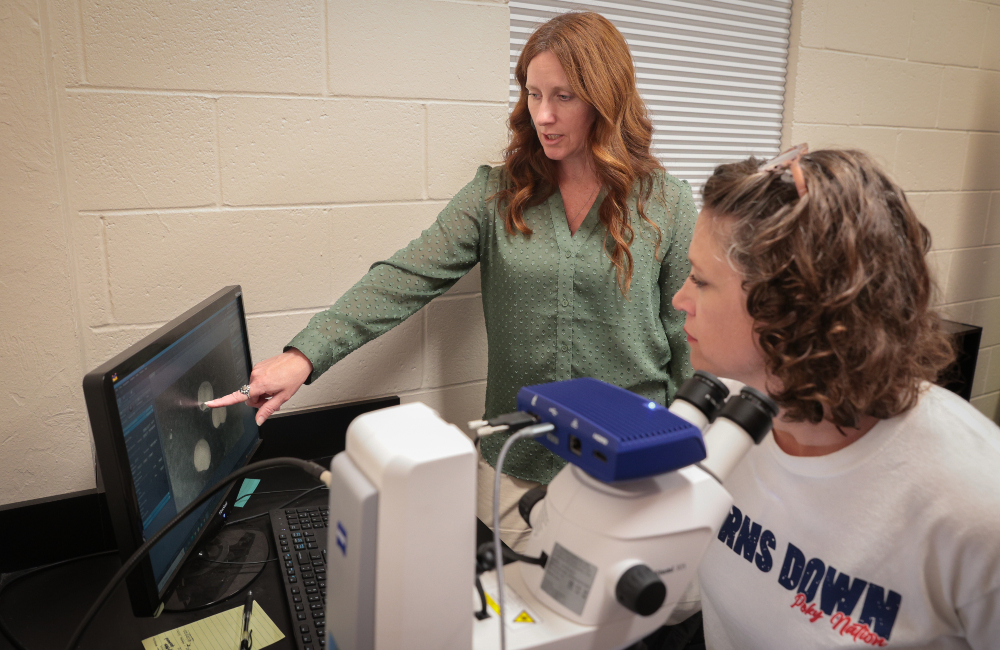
(283,505)
(482,613)
(527,432)
(224,596)
(30,572)
(205,559)
(310,468)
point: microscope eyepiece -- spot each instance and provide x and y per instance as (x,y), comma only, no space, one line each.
(752,410)
(705,392)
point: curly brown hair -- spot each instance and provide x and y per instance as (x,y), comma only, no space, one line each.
(598,64)
(837,284)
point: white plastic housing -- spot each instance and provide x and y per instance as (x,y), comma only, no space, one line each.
(665,522)
(726,444)
(425,472)
(689,412)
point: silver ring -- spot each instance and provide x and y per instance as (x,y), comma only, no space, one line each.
(245,389)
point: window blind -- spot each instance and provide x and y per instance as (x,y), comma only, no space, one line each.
(712,73)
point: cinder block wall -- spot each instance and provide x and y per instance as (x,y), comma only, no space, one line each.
(917,84)
(156,152)
(151,153)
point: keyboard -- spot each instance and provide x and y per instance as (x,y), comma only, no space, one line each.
(300,537)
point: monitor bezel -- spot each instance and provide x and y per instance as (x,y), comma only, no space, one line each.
(112,455)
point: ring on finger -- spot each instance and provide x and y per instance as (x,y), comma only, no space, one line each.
(245,389)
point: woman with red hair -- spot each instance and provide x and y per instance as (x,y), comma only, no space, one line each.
(581,237)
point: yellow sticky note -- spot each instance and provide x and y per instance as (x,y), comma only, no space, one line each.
(219,632)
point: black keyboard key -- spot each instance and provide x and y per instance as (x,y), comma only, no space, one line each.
(304,554)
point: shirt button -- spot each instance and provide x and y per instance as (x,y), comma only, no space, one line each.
(565,303)
(568,254)
(564,348)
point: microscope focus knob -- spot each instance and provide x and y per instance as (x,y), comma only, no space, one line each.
(640,590)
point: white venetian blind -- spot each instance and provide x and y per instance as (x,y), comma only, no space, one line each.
(711,72)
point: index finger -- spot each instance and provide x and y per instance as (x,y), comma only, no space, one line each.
(227,400)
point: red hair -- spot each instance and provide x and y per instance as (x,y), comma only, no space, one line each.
(598,64)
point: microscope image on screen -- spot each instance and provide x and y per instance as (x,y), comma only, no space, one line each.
(196,438)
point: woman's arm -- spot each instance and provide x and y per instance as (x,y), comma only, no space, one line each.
(391,291)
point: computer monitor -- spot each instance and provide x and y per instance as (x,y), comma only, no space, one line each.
(158,446)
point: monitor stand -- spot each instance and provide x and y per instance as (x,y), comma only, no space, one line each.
(201,583)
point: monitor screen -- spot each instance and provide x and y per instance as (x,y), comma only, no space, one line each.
(158,446)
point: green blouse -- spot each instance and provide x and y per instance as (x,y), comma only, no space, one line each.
(551,302)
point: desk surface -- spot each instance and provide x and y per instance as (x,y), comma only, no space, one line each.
(43,609)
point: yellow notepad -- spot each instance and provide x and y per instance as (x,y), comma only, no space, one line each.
(219,632)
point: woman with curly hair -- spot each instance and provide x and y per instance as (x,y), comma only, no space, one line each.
(870,515)
(581,237)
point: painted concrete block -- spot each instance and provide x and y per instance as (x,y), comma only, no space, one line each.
(49,455)
(390,364)
(948,31)
(931,160)
(992,382)
(829,87)
(213,45)
(970,100)
(990,58)
(939,263)
(993,228)
(140,151)
(105,342)
(982,165)
(67,43)
(879,28)
(456,342)
(959,312)
(471,283)
(956,219)
(988,405)
(986,314)
(900,93)
(363,235)
(460,137)
(879,142)
(455,404)
(92,270)
(419,49)
(812,23)
(982,370)
(294,151)
(973,274)
(161,264)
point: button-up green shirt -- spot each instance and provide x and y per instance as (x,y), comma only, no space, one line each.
(552,305)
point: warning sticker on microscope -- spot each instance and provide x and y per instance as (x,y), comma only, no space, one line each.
(568,579)
(516,611)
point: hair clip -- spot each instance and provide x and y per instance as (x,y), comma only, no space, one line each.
(788,163)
